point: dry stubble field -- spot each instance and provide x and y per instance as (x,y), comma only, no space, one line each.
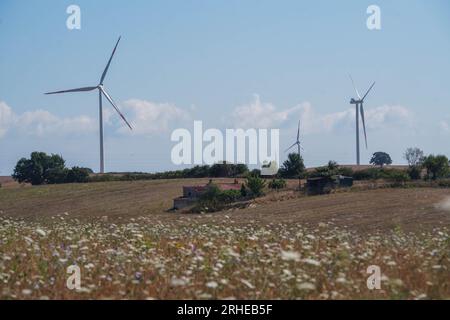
(283,246)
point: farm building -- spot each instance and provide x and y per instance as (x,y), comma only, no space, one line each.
(322,185)
(191,194)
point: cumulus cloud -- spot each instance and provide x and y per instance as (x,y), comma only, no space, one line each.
(148,117)
(41,122)
(259,114)
(6,118)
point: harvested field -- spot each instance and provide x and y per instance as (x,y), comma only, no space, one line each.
(411,209)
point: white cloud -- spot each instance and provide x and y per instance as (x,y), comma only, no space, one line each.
(258,114)
(148,117)
(388,115)
(41,122)
(6,118)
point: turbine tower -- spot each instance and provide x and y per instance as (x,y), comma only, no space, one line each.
(359,108)
(101,91)
(297,142)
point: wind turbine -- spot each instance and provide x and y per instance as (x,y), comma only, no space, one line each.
(359,108)
(101,91)
(297,142)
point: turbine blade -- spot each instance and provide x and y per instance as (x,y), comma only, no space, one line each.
(108,97)
(298,130)
(368,91)
(290,147)
(109,62)
(364,122)
(354,87)
(73,90)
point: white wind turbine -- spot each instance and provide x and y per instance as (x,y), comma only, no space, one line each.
(101,91)
(297,142)
(359,108)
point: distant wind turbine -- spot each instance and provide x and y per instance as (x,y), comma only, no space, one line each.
(359,108)
(101,90)
(297,142)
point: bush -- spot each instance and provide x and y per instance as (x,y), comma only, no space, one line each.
(277,184)
(367,174)
(229,196)
(437,166)
(256,185)
(345,171)
(57,175)
(415,172)
(213,199)
(398,177)
(244,192)
(77,174)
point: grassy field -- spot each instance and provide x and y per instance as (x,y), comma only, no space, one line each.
(282,246)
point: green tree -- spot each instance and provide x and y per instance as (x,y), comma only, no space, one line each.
(436,166)
(38,168)
(293,167)
(380,159)
(256,185)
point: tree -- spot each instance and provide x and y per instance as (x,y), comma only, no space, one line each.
(380,159)
(437,166)
(414,156)
(293,167)
(38,168)
(256,185)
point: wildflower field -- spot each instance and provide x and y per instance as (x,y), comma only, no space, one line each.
(249,253)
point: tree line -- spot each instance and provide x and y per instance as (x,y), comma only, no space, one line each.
(41,168)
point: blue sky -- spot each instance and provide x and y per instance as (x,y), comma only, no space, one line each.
(229,64)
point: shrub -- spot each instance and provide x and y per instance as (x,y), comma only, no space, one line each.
(415,172)
(277,184)
(345,171)
(57,175)
(77,174)
(256,185)
(229,196)
(243,191)
(398,177)
(437,166)
(213,199)
(367,174)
